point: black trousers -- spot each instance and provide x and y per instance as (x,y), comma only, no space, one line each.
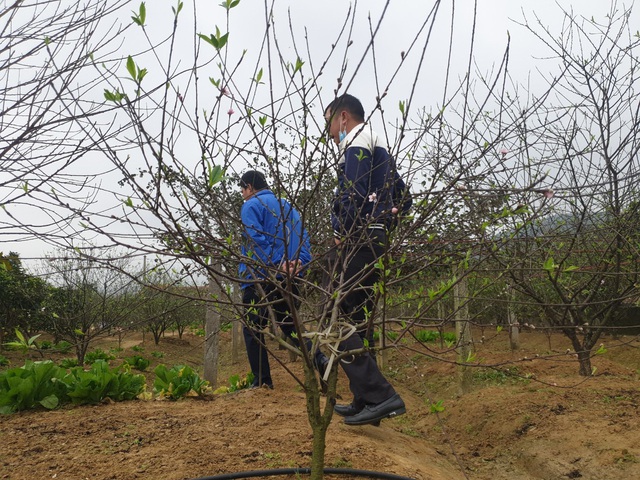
(357,259)
(257,317)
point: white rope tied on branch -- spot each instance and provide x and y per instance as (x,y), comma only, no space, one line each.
(331,337)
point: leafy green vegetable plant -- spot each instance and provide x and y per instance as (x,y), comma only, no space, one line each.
(97,354)
(102,382)
(178,382)
(138,362)
(45,384)
(68,363)
(22,343)
(63,346)
(35,384)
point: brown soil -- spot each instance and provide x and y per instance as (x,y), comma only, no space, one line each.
(539,421)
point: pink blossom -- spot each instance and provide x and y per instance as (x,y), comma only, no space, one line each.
(504,151)
(549,193)
(230,112)
(373,197)
(225,91)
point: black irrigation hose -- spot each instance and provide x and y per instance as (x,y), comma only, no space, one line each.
(305,471)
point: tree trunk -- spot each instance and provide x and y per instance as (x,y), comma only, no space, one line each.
(463,331)
(212,329)
(514,326)
(584,357)
(318,419)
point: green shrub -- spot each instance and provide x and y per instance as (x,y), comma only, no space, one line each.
(97,354)
(46,345)
(179,382)
(157,354)
(137,362)
(4,361)
(226,326)
(137,348)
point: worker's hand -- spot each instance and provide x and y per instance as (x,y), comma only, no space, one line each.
(292,267)
(337,240)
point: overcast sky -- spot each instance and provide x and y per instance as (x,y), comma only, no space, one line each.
(321,23)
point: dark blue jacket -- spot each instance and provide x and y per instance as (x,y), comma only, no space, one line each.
(273,234)
(368,185)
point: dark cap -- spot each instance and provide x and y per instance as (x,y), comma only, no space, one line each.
(255,179)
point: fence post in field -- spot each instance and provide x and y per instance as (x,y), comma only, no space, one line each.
(212,328)
(463,332)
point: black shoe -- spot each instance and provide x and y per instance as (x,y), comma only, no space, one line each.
(372,414)
(347,410)
(262,385)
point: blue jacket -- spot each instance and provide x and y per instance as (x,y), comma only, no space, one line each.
(368,185)
(273,234)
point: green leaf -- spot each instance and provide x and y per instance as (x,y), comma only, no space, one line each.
(131,67)
(262,120)
(299,64)
(215,175)
(258,76)
(549,265)
(140,17)
(571,268)
(141,74)
(50,402)
(210,40)
(113,96)
(437,407)
(229,4)
(128,202)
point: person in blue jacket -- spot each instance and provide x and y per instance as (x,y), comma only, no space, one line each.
(276,250)
(368,199)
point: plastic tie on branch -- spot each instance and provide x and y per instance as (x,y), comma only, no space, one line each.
(331,337)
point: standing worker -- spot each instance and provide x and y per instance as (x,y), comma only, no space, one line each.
(276,248)
(368,198)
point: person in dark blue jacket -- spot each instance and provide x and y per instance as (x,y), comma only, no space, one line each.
(276,250)
(369,197)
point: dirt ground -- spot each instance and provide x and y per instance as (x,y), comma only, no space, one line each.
(532,418)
